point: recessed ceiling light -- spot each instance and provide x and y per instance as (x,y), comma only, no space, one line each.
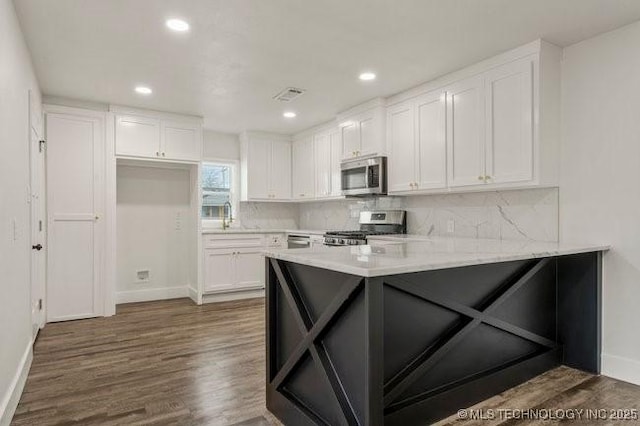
(367,76)
(289,114)
(178,25)
(144,90)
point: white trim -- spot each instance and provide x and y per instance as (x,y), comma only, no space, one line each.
(264,135)
(360,108)
(67,110)
(193,295)
(226,297)
(621,368)
(122,109)
(532,48)
(12,397)
(150,294)
(235,191)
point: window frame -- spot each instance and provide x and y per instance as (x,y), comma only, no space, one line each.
(235,189)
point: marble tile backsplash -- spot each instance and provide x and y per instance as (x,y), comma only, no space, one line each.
(253,215)
(530,214)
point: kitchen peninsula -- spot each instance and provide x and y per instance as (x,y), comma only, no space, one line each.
(407,330)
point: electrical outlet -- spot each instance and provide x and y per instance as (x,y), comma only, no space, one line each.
(451,226)
(142,276)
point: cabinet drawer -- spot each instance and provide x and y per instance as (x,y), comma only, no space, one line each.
(232,241)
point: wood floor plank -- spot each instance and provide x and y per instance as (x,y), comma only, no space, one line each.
(175,363)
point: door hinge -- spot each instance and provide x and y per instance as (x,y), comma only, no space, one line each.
(39,226)
(39,304)
(41,145)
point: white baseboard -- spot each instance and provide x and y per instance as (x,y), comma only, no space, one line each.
(238,295)
(149,294)
(625,369)
(193,294)
(12,397)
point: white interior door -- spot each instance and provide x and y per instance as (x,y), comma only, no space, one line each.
(75,180)
(38,232)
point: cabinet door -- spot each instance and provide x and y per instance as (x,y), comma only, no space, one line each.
(258,169)
(372,132)
(336,157)
(350,134)
(431,144)
(322,152)
(280,171)
(137,136)
(181,141)
(249,268)
(509,136)
(303,169)
(401,143)
(465,132)
(219,266)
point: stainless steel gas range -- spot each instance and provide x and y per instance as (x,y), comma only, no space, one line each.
(377,222)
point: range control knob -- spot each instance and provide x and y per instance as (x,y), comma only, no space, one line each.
(353,242)
(341,241)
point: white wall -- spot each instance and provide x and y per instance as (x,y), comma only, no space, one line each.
(600,178)
(154,226)
(220,145)
(16,79)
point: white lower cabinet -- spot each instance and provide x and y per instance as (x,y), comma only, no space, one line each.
(234,262)
(219,269)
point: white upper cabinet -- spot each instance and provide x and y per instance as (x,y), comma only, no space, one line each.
(137,136)
(431,145)
(258,168)
(304,169)
(491,131)
(492,125)
(416,142)
(336,157)
(280,170)
(362,130)
(402,147)
(322,153)
(143,135)
(465,132)
(509,123)
(265,167)
(181,141)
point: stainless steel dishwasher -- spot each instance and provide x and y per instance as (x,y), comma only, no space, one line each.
(298,241)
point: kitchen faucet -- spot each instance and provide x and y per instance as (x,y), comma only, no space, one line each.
(225,223)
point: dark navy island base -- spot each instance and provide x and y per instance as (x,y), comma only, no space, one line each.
(411,349)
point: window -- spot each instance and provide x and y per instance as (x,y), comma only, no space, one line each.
(218,193)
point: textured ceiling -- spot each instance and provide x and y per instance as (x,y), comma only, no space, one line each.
(239,53)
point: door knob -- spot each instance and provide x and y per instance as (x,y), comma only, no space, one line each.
(37,247)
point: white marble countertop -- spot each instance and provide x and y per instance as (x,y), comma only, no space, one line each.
(262,231)
(411,253)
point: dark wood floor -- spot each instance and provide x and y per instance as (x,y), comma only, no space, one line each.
(174,363)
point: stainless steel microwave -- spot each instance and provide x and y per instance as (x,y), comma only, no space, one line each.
(365,176)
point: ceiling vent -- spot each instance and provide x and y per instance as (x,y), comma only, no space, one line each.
(288,94)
